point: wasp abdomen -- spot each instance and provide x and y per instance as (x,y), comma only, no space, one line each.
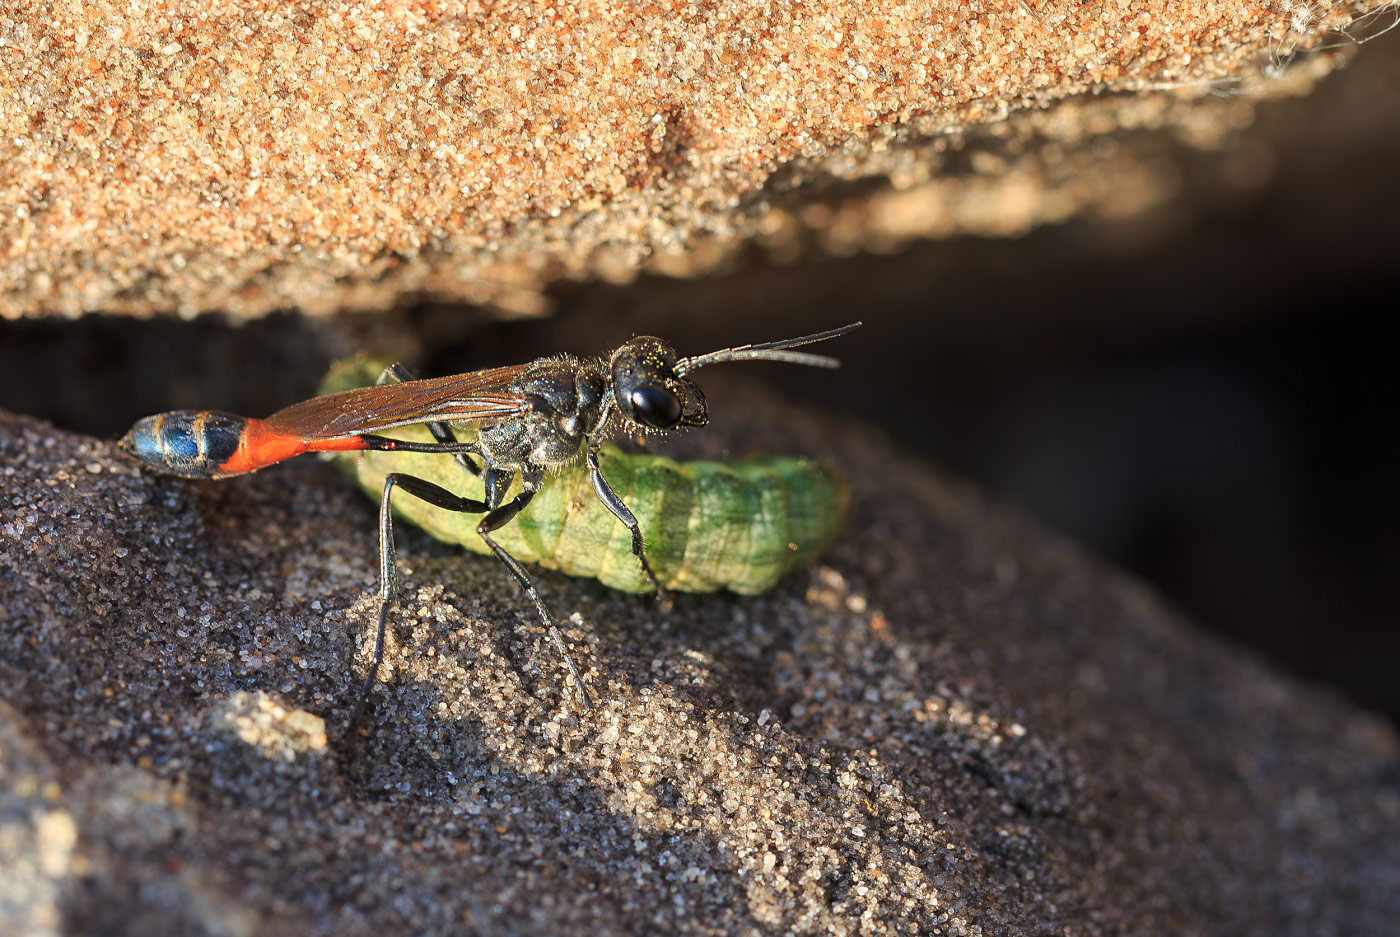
(187,443)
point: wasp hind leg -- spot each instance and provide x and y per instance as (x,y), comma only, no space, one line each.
(388,560)
(495,518)
(441,431)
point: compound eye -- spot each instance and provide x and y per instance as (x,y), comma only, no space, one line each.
(655,407)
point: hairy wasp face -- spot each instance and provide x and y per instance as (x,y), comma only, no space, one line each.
(648,390)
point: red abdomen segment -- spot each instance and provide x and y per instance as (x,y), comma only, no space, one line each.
(213,444)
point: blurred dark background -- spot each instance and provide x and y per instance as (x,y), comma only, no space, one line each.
(1205,394)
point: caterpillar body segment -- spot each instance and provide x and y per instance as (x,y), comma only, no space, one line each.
(705,525)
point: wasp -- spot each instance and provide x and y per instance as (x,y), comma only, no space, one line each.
(530,420)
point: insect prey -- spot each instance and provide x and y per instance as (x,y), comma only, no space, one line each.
(706,526)
(551,417)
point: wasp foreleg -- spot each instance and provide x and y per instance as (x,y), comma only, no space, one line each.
(623,513)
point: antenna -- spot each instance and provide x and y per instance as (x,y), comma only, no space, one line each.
(771,351)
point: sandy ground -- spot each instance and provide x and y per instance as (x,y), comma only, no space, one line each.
(954,724)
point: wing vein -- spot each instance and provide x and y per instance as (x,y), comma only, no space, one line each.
(475,396)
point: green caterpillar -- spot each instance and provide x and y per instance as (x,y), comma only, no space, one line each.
(707,525)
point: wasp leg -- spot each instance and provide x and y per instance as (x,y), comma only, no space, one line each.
(623,513)
(495,518)
(440,430)
(502,514)
(388,560)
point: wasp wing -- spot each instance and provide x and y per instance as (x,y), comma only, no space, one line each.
(476,395)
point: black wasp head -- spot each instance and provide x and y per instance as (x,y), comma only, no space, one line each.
(652,390)
(649,391)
